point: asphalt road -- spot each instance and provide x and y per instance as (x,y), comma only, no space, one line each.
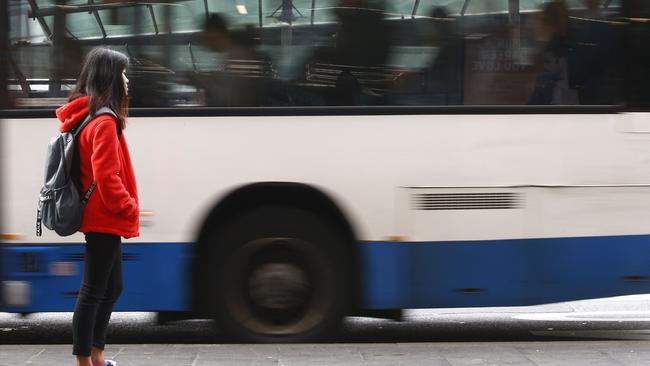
(595,332)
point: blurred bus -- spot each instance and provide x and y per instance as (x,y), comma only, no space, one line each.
(344,157)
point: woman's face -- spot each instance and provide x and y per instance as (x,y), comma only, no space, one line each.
(125,81)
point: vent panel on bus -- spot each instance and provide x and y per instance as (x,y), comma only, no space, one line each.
(466,201)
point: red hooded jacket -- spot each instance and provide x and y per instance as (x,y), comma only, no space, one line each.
(104,158)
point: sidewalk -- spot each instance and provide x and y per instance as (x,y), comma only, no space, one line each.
(419,354)
(631,347)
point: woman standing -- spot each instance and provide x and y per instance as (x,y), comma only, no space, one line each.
(112,210)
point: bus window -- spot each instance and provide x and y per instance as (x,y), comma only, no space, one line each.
(335,52)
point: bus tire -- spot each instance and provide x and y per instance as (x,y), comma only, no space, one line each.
(279,274)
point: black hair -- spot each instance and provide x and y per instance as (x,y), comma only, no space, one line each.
(101,79)
(215,23)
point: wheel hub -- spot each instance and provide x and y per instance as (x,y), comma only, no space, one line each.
(278,286)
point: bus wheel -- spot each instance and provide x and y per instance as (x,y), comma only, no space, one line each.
(280,274)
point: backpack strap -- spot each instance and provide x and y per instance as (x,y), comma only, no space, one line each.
(39,219)
(103,110)
(90,117)
(81,126)
(86,196)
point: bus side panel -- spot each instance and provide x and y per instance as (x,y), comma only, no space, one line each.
(43,278)
(399,275)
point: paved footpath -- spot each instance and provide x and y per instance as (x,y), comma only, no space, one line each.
(588,353)
(630,347)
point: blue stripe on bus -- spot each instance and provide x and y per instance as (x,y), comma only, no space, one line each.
(395,275)
(156,276)
(400,275)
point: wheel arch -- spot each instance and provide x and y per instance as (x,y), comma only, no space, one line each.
(291,194)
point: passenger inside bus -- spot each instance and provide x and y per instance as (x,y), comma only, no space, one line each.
(444,75)
(598,46)
(637,55)
(355,63)
(243,80)
(552,82)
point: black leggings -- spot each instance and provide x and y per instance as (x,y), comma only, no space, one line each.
(100,288)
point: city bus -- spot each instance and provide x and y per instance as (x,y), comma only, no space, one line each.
(344,157)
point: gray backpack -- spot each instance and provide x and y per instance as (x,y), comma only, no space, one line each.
(60,207)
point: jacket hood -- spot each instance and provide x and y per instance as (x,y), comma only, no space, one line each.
(72,113)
